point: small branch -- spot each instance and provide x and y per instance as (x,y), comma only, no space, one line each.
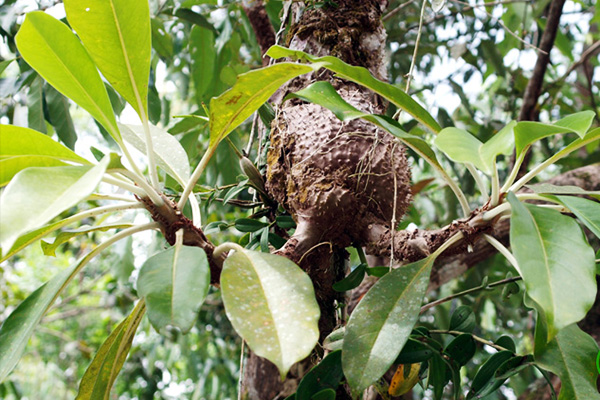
(585,56)
(397,10)
(475,337)
(468,291)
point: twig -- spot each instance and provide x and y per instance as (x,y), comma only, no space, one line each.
(475,337)
(397,10)
(469,291)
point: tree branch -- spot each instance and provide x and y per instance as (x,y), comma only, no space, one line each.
(529,111)
(263,30)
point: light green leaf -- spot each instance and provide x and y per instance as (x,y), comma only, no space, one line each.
(174,283)
(271,303)
(49,249)
(170,155)
(117,35)
(382,322)
(363,77)
(250,91)
(18,141)
(35,105)
(460,146)
(572,356)
(36,195)
(108,361)
(546,188)
(52,49)
(10,166)
(587,211)
(528,132)
(5,63)
(555,262)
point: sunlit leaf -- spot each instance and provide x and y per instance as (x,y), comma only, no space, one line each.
(174,283)
(382,322)
(204,54)
(250,91)
(528,132)
(271,303)
(52,49)
(460,146)
(108,361)
(170,155)
(36,195)
(547,188)
(363,77)
(117,35)
(555,261)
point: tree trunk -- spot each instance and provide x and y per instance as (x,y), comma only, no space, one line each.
(339,180)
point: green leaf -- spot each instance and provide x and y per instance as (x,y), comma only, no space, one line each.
(460,146)
(513,366)
(5,63)
(38,194)
(204,55)
(52,49)
(555,262)
(49,249)
(108,361)
(547,188)
(572,356)
(60,117)
(325,394)
(170,155)
(271,303)
(161,40)
(117,35)
(174,283)
(382,322)
(250,91)
(528,132)
(334,340)
(484,381)
(587,211)
(461,349)
(285,221)
(353,279)
(249,225)
(20,324)
(35,105)
(325,375)
(363,77)
(9,167)
(414,352)
(463,319)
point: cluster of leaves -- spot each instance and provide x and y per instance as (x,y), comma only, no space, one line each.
(268,299)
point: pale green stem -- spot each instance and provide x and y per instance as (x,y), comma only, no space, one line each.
(462,199)
(150,152)
(457,237)
(222,248)
(495,186)
(480,183)
(124,185)
(533,196)
(496,211)
(195,176)
(116,197)
(513,174)
(150,191)
(196,216)
(129,158)
(503,250)
(99,211)
(115,238)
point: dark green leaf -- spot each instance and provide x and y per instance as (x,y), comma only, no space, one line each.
(60,117)
(484,380)
(414,351)
(325,375)
(285,221)
(35,105)
(382,322)
(507,343)
(249,225)
(461,349)
(352,280)
(513,366)
(463,319)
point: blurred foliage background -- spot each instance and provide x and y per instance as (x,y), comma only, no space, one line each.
(472,67)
